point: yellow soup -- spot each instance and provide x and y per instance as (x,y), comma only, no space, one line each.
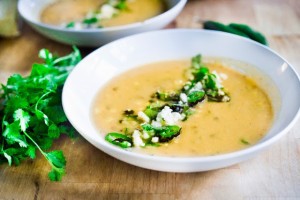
(65,11)
(214,127)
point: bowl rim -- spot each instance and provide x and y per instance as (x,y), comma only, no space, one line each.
(186,159)
(179,5)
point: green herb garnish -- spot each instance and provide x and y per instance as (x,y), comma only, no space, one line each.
(244,141)
(164,133)
(91,20)
(31,112)
(121,5)
(157,122)
(70,25)
(108,10)
(119,139)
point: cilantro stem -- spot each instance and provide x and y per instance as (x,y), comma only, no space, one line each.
(47,93)
(42,152)
(60,79)
(32,140)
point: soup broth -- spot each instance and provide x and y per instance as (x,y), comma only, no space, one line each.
(214,127)
(65,11)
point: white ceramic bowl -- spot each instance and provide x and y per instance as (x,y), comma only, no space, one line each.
(30,11)
(110,60)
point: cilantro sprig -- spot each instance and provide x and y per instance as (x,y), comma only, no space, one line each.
(31,113)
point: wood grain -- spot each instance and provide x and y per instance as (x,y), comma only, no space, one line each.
(91,174)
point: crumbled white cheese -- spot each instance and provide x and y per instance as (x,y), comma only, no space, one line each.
(223,76)
(156,124)
(183,97)
(107,12)
(170,118)
(197,87)
(221,92)
(155,139)
(137,140)
(78,26)
(218,80)
(146,135)
(143,116)
(225,99)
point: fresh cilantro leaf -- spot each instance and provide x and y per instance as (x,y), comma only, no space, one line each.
(41,115)
(16,102)
(56,174)
(53,131)
(46,55)
(12,134)
(56,113)
(31,152)
(23,118)
(56,158)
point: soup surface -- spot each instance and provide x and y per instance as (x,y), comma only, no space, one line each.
(65,11)
(214,127)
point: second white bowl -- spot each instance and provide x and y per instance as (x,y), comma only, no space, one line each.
(30,10)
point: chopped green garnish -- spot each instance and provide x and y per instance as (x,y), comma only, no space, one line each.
(70,25)
(152,111)
(119,139)
(196,61)
(31,113)
(165,133)
(195,96)
(130,114)
(200,73)
(96,16)
(211,82)
(164,96)
(91,20)
(157,122)
(244,141)
(121,5)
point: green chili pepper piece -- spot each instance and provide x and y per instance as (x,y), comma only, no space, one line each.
(195,96)
(119,139)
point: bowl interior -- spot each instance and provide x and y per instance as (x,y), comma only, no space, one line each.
(110,60)
(31,9)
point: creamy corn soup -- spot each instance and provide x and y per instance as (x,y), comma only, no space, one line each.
(65,11)
(213,127)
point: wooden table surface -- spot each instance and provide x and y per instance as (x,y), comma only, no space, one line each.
(91,174)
